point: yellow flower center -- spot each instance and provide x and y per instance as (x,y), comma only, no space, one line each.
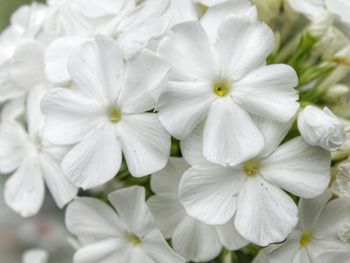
(251,167)
(114,114)
(306,238)
(222,87)
(135,240)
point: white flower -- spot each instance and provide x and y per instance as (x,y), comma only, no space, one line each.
(341,185)
(106,113)
(131,27)
(321,128)
(191,238)
(224,83)
(251,193)
(126,236)
(317,231)
(35,256)
(32,161)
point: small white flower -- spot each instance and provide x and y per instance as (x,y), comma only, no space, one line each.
(251,193)
(194,240)
(125,235)
(224,83)
(106,113)
(321,128)
(35,256)
(32,161)
(317,232)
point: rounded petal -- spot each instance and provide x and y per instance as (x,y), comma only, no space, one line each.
(210,193)
(229,236)
(145,143)
(254,91)
(265,214)
(230,136)
(243,45)
(189,53)
(183,105)
(95,160)
(25,190)
(196,241)
(298,168)
(70,116)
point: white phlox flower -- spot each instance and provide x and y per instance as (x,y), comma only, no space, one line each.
(106,114)
(251,192)
(125,235)
(224,83)
(194,240)
(32,162)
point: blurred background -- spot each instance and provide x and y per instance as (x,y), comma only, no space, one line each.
(45,230)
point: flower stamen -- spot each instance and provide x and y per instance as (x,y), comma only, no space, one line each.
(222,87)
(133,239)
(306,238)
(251,167)
(113,114)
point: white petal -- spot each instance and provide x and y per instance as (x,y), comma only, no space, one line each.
(340,8)
(97,69)
(216,14)
(145,143)
(168,212)
(24,190)
(230,136)
(210,193)
(299,168)
(196,241)
(192,146)
(243,45)
(182,11)
(285,251)
(229,236)
(9,90)
(334,257)
(60,187)
(167,181)
(91,218)
(35,256)
(183,105)
(265,214)
(70,116)
(13,109)
(311,209)
(95,160)
(132,209)
(189,52)
(255,90)
(273,133)
(105,251)
(14,146)
(57,55)
(311,8)
(144,76)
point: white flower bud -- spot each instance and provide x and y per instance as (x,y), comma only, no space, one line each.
(321,128)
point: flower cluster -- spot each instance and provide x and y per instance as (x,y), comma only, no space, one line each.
(236,109)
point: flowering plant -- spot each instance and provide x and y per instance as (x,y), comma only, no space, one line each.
(181,130)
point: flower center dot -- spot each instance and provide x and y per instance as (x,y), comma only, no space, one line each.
(133,239)
(306,238)
(113,114)
(251,167)
(222,87)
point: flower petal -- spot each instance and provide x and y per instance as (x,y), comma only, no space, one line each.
(243,45)
(265,214)
(24,190)
(254,92)
(95,160)
(210,193)
(230,137)
(189,52)
(145,143)
(299,168)
(229,236)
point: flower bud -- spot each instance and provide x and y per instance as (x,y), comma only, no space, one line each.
(321,128)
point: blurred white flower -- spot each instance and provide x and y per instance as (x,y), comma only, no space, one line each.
(106,113)
(191,238)
(35,256)
(251,193)
(317,232)
(223,83)
(125,235)
(321,128)
(33,161)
